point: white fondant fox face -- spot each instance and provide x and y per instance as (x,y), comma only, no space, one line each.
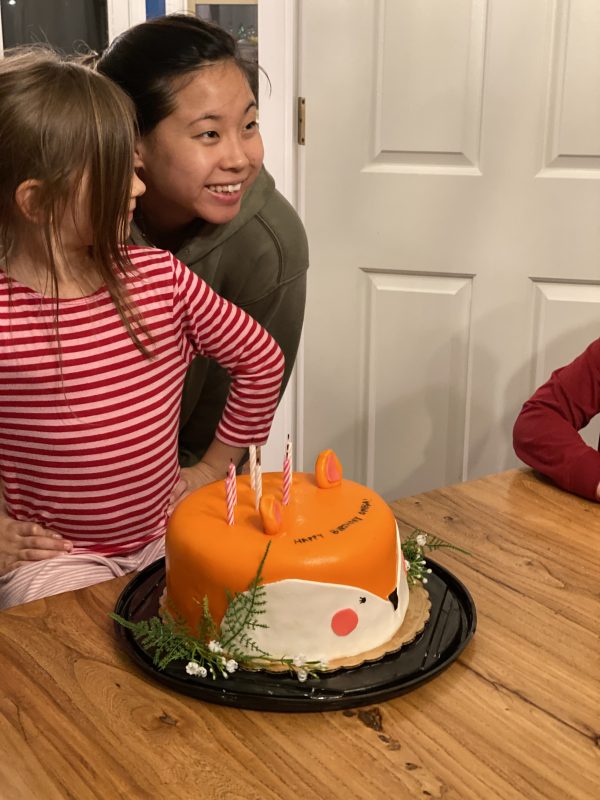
(324,621)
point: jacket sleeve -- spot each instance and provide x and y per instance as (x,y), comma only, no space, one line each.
(545,435)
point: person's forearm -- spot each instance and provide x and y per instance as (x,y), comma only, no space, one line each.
(219,455)
(212,467)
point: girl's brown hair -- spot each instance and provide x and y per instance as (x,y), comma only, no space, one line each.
(61,121)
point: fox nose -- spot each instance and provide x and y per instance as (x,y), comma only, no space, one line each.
(343,622)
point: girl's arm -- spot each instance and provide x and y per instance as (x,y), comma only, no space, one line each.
(207,386)
(211,467)
(214,327)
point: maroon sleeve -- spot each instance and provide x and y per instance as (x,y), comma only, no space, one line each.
(545,435)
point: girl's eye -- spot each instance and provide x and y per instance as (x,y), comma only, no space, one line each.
(252,125)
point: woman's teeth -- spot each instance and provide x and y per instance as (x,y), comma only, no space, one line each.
(232,187)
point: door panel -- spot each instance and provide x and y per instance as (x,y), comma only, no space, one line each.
(449,186)
(435,310)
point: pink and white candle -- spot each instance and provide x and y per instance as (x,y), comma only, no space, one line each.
(287,473)
(230,493)
(231,474)
(258,479)
(252,453)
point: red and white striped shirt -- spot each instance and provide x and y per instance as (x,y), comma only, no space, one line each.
(88,430)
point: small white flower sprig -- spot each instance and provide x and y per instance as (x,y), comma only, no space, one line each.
(222,664)
(215,651)
(414,557)
(298,665)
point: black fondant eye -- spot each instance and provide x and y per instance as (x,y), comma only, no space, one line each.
(393,598)
(362,599)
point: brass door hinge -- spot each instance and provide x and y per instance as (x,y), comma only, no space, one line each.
(301,120)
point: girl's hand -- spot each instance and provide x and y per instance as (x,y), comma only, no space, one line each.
(190,479)
(213,467)
(24,542)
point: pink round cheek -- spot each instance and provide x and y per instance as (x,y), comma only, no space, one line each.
(343,622)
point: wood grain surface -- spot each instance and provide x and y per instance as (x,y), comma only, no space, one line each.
(515,717)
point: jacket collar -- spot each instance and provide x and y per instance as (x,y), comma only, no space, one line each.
(213,236)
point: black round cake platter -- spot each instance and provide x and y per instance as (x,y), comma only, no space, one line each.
(451,625)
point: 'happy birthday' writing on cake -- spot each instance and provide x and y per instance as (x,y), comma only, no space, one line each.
(304,539)
(364,509)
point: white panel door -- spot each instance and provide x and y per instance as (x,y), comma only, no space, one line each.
(450,186)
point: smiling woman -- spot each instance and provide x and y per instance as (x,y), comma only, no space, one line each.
(205,155)
(209,199)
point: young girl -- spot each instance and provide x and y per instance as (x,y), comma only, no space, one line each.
(210,202)
(95,338)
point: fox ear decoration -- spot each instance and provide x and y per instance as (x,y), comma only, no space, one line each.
(271,514)
(328,470)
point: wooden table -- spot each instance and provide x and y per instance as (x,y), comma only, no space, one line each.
(515,717)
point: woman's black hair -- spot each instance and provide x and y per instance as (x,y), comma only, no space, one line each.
(145,60)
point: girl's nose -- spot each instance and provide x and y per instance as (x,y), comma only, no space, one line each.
(138,187)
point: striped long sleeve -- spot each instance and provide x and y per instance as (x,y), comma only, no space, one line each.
(88,429)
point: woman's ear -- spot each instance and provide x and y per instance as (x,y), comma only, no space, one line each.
(27,198)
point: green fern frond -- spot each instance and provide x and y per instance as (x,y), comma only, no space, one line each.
(435,543)
(413,552)
(242,611)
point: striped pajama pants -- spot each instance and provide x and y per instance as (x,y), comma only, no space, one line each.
(70,571)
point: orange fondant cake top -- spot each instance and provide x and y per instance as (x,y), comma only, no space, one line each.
(345,534)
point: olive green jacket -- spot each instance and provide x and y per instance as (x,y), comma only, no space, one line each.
(258,261)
